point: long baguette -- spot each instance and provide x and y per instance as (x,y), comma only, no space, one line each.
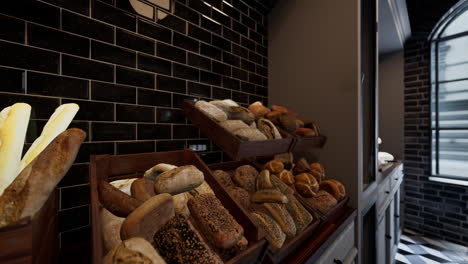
(26,195)
(13,125)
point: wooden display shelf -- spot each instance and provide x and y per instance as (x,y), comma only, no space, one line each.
(115,167)
(239,148)
(32,239)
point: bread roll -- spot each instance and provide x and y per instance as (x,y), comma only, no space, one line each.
(154,172)
(58,122)
(110,225)
(223,177)
(224,106)
(240,113)
(334,188)
(240,195)
(230,102)
(280,109)
(268,129)
(251,134)
(273,231)
(274,166)
(263,181)
(178,180)
(287,177)
(147,219)
(282,217)
(211,111)
(13,125)
(286,158)
(115,200)
(288,122)
(180,203)
(258,109)
(269,196)
(245,176)
(33,186)
(299,214)
(133,250)
(281,186)
(142,189)
(322,201)
(233,125)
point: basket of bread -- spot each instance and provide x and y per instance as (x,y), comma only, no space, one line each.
(166,207)
(28,201)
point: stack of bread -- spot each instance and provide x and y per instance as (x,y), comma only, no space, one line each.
(257,122)
(307,180)
(26,183)
(172,214)
(271,202)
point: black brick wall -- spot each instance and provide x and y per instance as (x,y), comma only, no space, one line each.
(432,208)
(129,75)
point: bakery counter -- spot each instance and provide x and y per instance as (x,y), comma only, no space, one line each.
(334,240)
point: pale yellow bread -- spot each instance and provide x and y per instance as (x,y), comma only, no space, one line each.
(13,126)
(58,122)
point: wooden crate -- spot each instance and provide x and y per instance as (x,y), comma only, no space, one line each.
(290,245)
(304,144)
(114,167)
(32,239)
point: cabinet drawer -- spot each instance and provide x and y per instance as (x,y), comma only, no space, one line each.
(383,195)
(341,248)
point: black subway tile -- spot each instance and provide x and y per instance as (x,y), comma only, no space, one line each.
(238,27)
(154,64)
(13,80)
(73,218)
(15,28)
(154,31)
(254,78)
(248,65)
(199,62)
(210,25)
(247,87)
(255,36)
(262,50)
(114,16)
(199,89)
(240,97)
(231,59)
(171,22)
(240,74)
(248,43)
(113,92)
(170,52)
(57,40)
(255,16)
(178,99)
(221,68)
(87,27)
(77,174)
(185,72)
(240,51)
(165,115)
(210,51)
(185,131)
(170,84)
(113,131)
(41,107)
(254,98)
(241,6)
(88,149)
(255,57)
(231,83)
(112,54)
(221,43)
(134,77)
(200,6)
(135,113)
(221,18)
(74,196)
(210,78)
(263,91)
(150,131)
(93,111)
(199,33)
(133,41)
(231,11)
(72,238)
(186,13)
(262,31)
(215,3)
(32,10)
(89,69)
(154,98)
(231,35)
(261,70)
(221,94)
(170,145)
(247,21)
(185,42)
(79,6)
(135,147)
(53,85)
(28,58)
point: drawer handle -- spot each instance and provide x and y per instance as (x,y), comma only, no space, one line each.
(387,192)
(397,216)
(337,261)
(396,179)
(388,237)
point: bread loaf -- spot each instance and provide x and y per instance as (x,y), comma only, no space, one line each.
(269,196)
(240,195)
(33,186)
(322,201)
(299,214)
(282,217)
(132,251)
(287,177)
(335,188)
(147,219)
(258,109)
(110,225)
(142,189)
(252,134)
(202,189)
(154,172)
(180,203)
(115,200)
(178,180)
(268,129)
(273,231)
(223,177)
(245,176)
(233,125)
(305,132)
(241,113)
(274,166)
(211,111)
(263,181)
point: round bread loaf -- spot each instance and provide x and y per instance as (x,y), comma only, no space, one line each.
(223,177)
(258,109)
(334,188)
(245,176)
(274,166)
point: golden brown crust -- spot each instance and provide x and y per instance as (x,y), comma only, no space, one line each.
(305,132)
(280,109)
(258,109)
(263,181)
(304,189)
(287,177)
(142,189)
(334,188)
(269,196)
(245,176)
(116,201)
(307,178)
(322,201)
(273,231)
(282,217)
(274,166)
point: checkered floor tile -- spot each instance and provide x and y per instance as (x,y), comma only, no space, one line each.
(417,249)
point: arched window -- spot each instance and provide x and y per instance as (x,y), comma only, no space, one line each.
(449,94)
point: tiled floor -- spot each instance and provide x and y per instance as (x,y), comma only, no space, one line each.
(416,249)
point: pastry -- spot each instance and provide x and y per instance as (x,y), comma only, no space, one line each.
(124,185)
(245,176)
(301,166)
(274,166)
(142,189)
(214,221)
(32,187)
(240,195)
(178,180)
(258,109)
(233,125)
(273,231)
(335,188)
(304,132)
(308,179)
(223,177)
(281,186)
(241,113)
(110,226)
(58,122)
(263,181)
(299,214)
(154,172)
(116,201)
(13,126)
(287,177)
(134,250)
(288,122)
(180,203)
(322,201)
(280,109)
(147,219)
(268,129)
(282,217)
(211,111)
(178,243)
(202,189)
(251,134)
(269,196)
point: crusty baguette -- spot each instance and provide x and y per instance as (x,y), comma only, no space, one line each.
(13,125)
(26,195)
(115,200)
